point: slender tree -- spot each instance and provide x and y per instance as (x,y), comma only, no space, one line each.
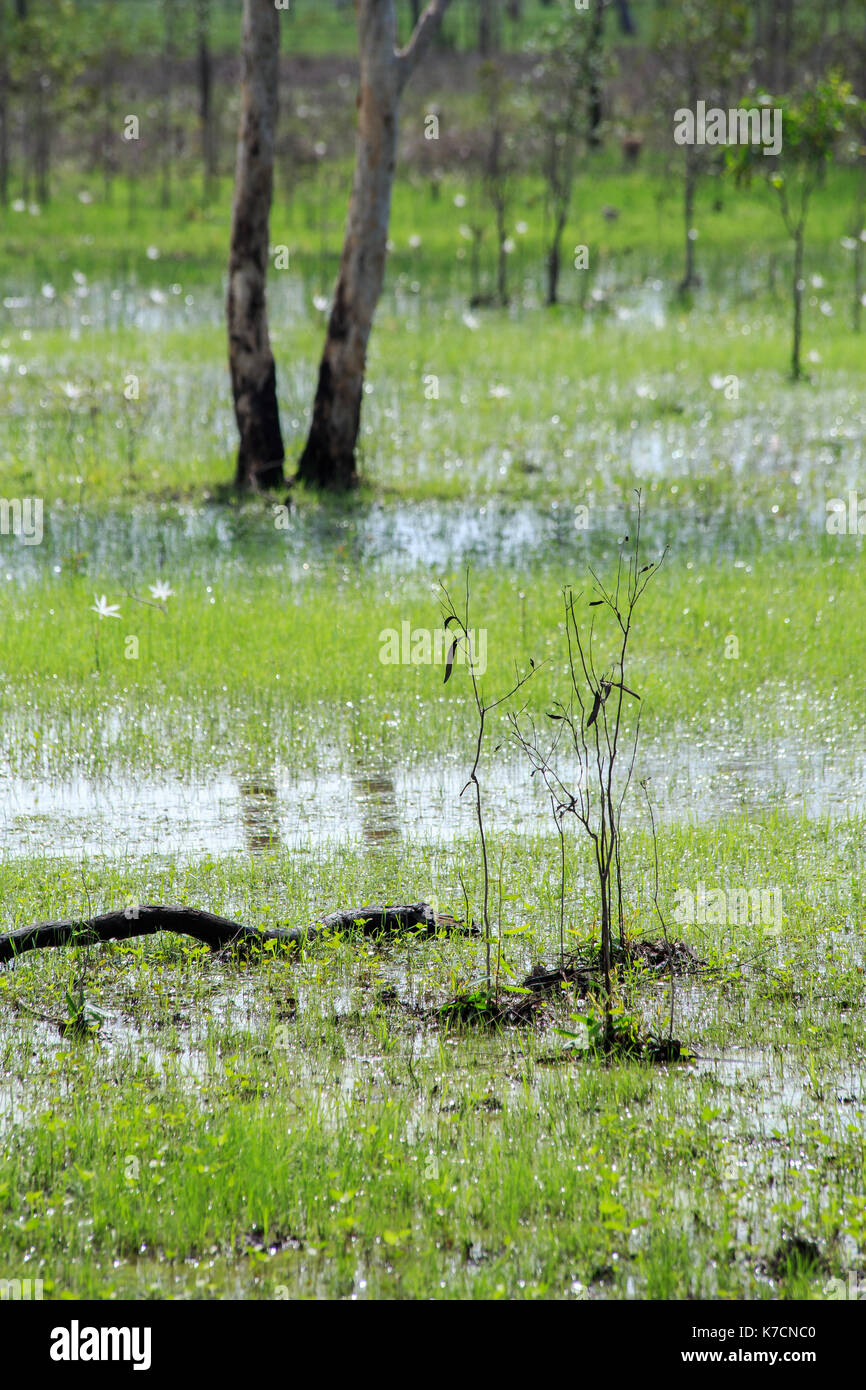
(251,362)
(4,107)
(204,69)
(571,57)
(811,129)
(328,460)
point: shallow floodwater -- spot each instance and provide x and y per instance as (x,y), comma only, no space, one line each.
(124,815)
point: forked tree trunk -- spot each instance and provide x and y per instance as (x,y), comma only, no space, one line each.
(328,460)
(251,362)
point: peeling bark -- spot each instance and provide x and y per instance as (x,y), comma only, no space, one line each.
(251,362)
(328,460)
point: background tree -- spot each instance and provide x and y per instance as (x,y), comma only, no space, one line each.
(4,105)
(328,460)
(570,58)
(251,362)
(500,163)
(811,129)
(701,45)
(204,73)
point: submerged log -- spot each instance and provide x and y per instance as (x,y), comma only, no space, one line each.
(220,933)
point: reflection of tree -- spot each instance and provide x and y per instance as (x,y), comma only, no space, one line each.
(377,798)
(259,813)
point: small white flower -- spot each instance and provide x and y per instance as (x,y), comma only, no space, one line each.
(509,245)
(522,228)
(85,197)
(161,590)
(152,253)
(460,200)
(499,392)
(471,320)
(19,205)
(48,291)
(414,241)
(848,243)
(79,277)
(104,609)
(320,302)
(817,282)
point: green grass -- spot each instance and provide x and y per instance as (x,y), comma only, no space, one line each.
(259,1130)
(282,1126)
(623,374)
(306,678)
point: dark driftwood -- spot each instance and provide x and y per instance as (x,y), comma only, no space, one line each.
(218,932)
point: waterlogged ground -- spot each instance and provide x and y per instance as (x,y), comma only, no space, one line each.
(305,1124)
(307,1127)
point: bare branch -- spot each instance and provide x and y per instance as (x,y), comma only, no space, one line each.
(422,36)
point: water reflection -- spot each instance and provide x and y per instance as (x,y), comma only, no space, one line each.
(380,804)
(260,814)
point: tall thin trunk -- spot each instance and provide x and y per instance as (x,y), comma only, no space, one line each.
(43,152)
(502,258)
(205,84)
(4,108)
(858,249)
(797,287)
(167,132)
(689,279)
(554,259)
(486,28)
(596,94)
(328,460)
(251,362)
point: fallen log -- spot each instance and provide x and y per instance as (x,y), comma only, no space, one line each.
(220,933)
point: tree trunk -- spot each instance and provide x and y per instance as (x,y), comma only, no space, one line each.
(501,260)
(797,287)
(205,84)
(4,109)
(486,35)
(251,362)
(691,178)
(43,154)
(553,261)
(167,136)
(596,95)
(328,460)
